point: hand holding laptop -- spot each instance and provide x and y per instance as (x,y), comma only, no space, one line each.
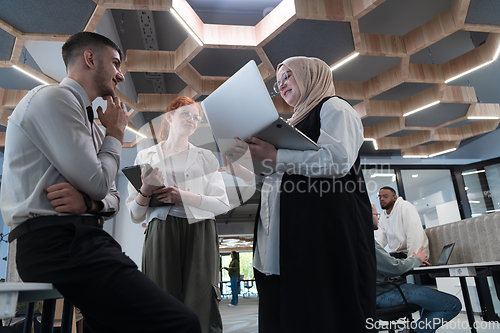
(238,157)
(262,150)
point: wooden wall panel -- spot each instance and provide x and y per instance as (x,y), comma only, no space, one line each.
(447,134)
(186,52)
(10,29)
(95,18)
(457,94)
(387,127)
(384,108)
(12,97)
(424,73)
(150,61)
(382,45)
(155,102)
(470,60)
(192,78)
(210,83)
(362,7)
(281,105)
(334,10)
(189,16)
(485,110)
(229,36)
(275,22)
(350,90)
(481,27)
(4,115)
(156,5)
(430,32)
(419,100)
(383,82)
(414,139)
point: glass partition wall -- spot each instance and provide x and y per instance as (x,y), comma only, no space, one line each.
(482,185)
(433,195)
(441,194)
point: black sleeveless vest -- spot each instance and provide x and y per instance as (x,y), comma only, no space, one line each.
(326,238)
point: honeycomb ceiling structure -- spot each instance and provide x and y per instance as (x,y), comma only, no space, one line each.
(405,76)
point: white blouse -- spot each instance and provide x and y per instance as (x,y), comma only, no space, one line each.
(201,177)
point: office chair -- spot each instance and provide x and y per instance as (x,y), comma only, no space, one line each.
(397,312)
(248,286)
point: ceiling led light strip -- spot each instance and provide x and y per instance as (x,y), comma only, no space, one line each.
(482,118)
(422,108)
(472,172)
(496,54)
(469,71)
(344,61)
(415,156)
(136,132)
(443,152)
(184,24)
(475,68)
(29,74)
(374,142)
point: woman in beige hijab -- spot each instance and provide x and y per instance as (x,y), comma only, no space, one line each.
(314,252)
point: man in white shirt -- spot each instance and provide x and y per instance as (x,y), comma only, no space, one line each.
(58,184)
(400,226)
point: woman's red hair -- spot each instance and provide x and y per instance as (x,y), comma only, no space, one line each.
(174,105)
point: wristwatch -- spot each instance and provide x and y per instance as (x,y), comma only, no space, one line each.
(88,201)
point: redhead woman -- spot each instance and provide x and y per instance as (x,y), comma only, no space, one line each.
(181,252)
(314,256)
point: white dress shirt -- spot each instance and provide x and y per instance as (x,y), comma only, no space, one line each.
(49,141)
(402,229)
(340,139)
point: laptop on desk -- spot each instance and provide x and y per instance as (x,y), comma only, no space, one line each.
(445,254)
(241,107)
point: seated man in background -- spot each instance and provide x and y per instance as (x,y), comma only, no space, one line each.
(437,307)
(400,225)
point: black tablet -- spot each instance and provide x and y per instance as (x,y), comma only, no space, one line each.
(133,174)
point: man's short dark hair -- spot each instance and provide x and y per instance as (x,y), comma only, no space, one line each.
(79,42)
(389,188)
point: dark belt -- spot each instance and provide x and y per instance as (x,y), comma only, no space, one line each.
(53,220)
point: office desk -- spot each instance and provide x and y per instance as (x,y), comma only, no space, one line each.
(462,271)
(12,293)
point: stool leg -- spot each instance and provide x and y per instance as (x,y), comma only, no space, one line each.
(49,309)
(28,321)
(67,317)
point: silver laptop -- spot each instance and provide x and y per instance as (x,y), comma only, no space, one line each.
(241,107)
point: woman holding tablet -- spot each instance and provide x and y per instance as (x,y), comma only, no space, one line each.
(314,256)
(181,251)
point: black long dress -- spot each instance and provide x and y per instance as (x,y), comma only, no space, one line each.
(327,251)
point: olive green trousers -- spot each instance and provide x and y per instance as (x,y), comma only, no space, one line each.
(184,260)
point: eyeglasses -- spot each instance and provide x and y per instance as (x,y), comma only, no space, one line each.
(188,115)
(284,79)
(378,214)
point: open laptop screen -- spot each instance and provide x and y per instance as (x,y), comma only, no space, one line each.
(445,254)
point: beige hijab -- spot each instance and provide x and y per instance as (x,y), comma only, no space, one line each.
(314,78)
